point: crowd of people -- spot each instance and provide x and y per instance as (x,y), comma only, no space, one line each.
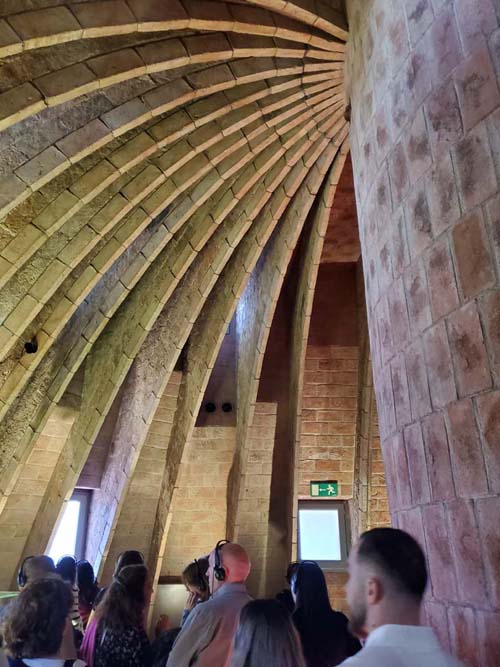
(62,618)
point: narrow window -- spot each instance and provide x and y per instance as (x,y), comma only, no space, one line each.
(70,535)
(322,533)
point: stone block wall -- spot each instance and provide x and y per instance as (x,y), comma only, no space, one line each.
(200,500)
(424,87)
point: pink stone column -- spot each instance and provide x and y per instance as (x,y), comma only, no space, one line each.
(425,137)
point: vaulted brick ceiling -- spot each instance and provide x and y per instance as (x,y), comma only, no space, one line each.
(153,152)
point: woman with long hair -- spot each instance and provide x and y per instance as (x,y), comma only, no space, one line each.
(324,633)
(87,589)
(266,636)
(120,638)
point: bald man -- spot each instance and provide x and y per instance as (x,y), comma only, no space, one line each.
(207,635)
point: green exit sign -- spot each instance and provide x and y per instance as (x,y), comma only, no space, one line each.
(324,489)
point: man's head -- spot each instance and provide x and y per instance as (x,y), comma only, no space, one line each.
(233,563)
(33,568)
(387,575)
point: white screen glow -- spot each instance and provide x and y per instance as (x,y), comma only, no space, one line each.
(319,534)
(64,542)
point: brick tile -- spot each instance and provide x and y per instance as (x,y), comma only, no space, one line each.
(476,21)
(442,195)
(385,332)
(417,297)
(474,261)
(418,75)
(444,43)
(477,88)
(441,280)
(398,172)
(420,15)
(490,314)
(418,148)
(417,381)
(475,168)
(438,620)
(399,246)
(466,546)
(438,551)
(468,351)
(418,221)
(462,634)
(488,512)
(398,315)
(488,637)
(411,522)
(440,367)
(445,121)
(438,457)
(402,476)
(417,465)
(465,450)
(489,417)
(493,219)
(400,391)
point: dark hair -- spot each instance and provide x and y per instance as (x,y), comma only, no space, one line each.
(290,571)
(195,574)
(34,622)
(130,557)
(87,585)
(124,601)
(266,636)
(398,556)
(66,568)
(325,637)
(34,567)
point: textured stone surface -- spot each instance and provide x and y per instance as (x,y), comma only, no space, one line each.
(426,98)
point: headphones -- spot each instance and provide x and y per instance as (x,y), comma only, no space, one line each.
(219,571)
(202,579)
(22,579)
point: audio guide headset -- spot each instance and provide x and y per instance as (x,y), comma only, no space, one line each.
(22,579)
(219,571)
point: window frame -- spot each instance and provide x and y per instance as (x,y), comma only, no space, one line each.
(84,497)
(328,504)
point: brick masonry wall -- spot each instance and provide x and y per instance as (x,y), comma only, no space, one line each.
(425,145)
(199,505)
(329,418)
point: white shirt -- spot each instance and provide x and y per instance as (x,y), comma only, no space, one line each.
(401,646)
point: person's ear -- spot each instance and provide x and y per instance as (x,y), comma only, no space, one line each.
(374,590)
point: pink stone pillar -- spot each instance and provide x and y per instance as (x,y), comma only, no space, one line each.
(425,137)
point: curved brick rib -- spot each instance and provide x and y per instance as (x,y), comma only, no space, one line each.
(99,73)
(206,339)
(57,25)
(83,432)
(114,247)
(142,193)
(94,136)
(159,270)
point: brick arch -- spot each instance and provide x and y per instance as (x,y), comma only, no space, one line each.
(140,178)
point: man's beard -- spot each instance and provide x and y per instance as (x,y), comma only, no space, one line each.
(357,623)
